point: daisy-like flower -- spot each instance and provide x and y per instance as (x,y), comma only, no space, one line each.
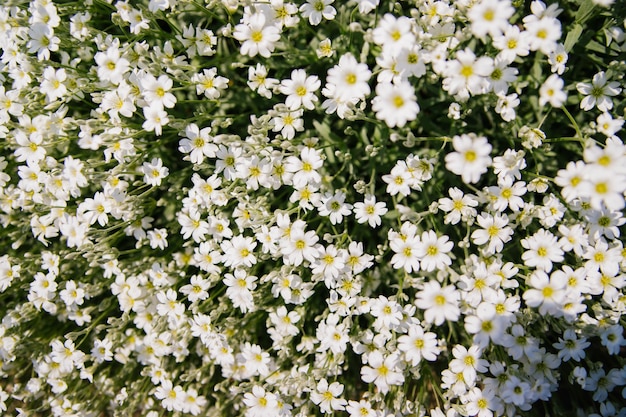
(439,303)
(288,122)
(433,251)
(197,143)
(551,91)
(260,403)
(239,251)
(542,250)
(508,195)
(156,90)
(490,17)
(494,230)
(557,59)
(315,10)
(417,345)
(327,396)
(53,84)
(300,90)
(604,188)
(471,157)
(154,172)
(240,286)
(512,43)
(382,371)
(545,292)
(334,206)
(111,66)
(468,362)
(30,149)
(571,179)
(304,167)
(571,347)
(370,211)
(467,74)
(156,118)
(509,164)
(42,40)
(329,263)
(361,408)
(209,83)
(607,125)
(543,32)
(299,246)
(395,103)
(256,37)
(260,82)
(406,246)
(394,33)
(349,78)
(458,206)
(598,93)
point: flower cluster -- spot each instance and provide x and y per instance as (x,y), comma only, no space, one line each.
(276,208)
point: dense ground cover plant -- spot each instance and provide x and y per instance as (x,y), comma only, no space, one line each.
(267,208)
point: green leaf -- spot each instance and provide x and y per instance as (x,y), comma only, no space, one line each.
(572,37)
(596,47)
(585,11)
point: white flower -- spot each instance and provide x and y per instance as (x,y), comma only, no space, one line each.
(300,90)
(418,344)
(349,78)
(304,168)
(395,103)
(256,37)
(111,66)
(468,362)
(156,91)
(512,43)
(239,251)
(370,211)
(260,403)
(598,93)
(394,33)
(154,172)
(260,82)
(156,118)
(433,251)
(240,286)
(326,396)
(406,247)
(197,143)
(471,157)
(53,83)
(494,230)
(314,10)
(209,83)
(366,6)
(551,91)
(158,238)
(490,16)
(72,294)
(547,293)
(299,246)
(542,250)
(382,371)
(467,74)
(288,122)
(439,303)
(332,335)
(42,40)
(334,206)
(507,195)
